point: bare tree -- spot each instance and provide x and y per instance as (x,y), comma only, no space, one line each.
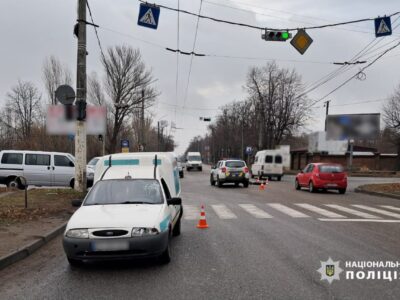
(391,117)
(95,91)
(126,78)
(24,104)
(54,75)
(279,102)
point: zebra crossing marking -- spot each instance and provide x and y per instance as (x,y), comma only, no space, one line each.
(379,211)
(287,210)
(390,207)
(191,212)
(353,211)
(320,211)
(223,212)
(255,211)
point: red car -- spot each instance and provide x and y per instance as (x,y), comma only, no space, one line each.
(324,176)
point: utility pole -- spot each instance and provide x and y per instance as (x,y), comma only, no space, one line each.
(158,136)
(327,111)
(142,142)
(80,136)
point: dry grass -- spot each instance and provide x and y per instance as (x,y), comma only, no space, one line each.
(41,203)
(391,188)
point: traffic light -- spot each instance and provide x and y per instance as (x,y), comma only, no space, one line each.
(277,36)
(81,110)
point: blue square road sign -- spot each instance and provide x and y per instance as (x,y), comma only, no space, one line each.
(148,15)
(383,26)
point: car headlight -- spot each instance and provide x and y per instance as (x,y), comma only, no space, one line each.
(78,233)
(141,231)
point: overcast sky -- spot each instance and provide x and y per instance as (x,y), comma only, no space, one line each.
(32,30)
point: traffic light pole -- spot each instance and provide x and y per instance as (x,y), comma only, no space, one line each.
(80,136)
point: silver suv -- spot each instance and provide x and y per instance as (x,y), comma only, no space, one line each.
(230,171)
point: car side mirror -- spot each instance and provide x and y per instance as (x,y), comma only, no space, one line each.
(77,203)
(174,201)
(71,164)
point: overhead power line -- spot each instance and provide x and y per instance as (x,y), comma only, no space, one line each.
(355,75)
(265,28)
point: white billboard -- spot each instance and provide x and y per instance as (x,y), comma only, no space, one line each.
(56,123)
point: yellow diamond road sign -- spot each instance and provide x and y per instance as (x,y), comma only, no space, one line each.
(301,41)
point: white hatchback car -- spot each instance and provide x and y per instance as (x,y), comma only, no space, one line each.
(132,211)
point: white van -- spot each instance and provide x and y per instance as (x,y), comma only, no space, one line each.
(39,168)
(132,210)
(268,163)
(193,161)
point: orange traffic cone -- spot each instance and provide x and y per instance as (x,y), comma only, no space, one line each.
(202,222)
(262,186)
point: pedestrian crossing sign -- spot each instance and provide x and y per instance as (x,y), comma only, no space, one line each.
(383,26)
(148,15)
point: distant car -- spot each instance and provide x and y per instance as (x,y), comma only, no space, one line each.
(268,163)
(325,176)
(40,168)
(230,171)
(90,169)
(180,169)
(193,161)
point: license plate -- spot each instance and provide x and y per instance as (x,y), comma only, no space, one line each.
(331,185)
(110,245)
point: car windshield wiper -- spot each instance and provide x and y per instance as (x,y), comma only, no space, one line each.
(134,202)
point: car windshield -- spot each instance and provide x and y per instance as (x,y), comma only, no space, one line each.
(194,158)
(125,191)
(330,169)
(93,161)
(235,164)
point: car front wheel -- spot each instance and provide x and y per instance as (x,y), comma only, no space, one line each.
(342,191)
(297,185)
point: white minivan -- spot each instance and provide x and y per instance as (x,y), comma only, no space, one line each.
(39,168)
(193,161)
(268,163)
(132,211)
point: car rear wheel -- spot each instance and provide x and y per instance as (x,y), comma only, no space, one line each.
(14,183)
(297,185)
(311,187)
(219,183)
(246,184)
(342,191)
(212,181)
(279,178)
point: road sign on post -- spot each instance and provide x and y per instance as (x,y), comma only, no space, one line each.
(148,15)
(124,146)
(383,26)
(301,41)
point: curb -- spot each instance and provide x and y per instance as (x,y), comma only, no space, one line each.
(30,248)
(388,195)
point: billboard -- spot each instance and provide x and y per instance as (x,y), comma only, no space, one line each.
(57,124)
(352,126)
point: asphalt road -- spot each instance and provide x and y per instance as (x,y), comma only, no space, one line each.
(252,250)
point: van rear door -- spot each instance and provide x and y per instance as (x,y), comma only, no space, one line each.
(37,169)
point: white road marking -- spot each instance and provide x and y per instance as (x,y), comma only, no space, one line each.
(379,211)
(319,210)
(353,211)
(223,212)
(191,212)
(360,220)
(287,210)
(391,207)
(255,211)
